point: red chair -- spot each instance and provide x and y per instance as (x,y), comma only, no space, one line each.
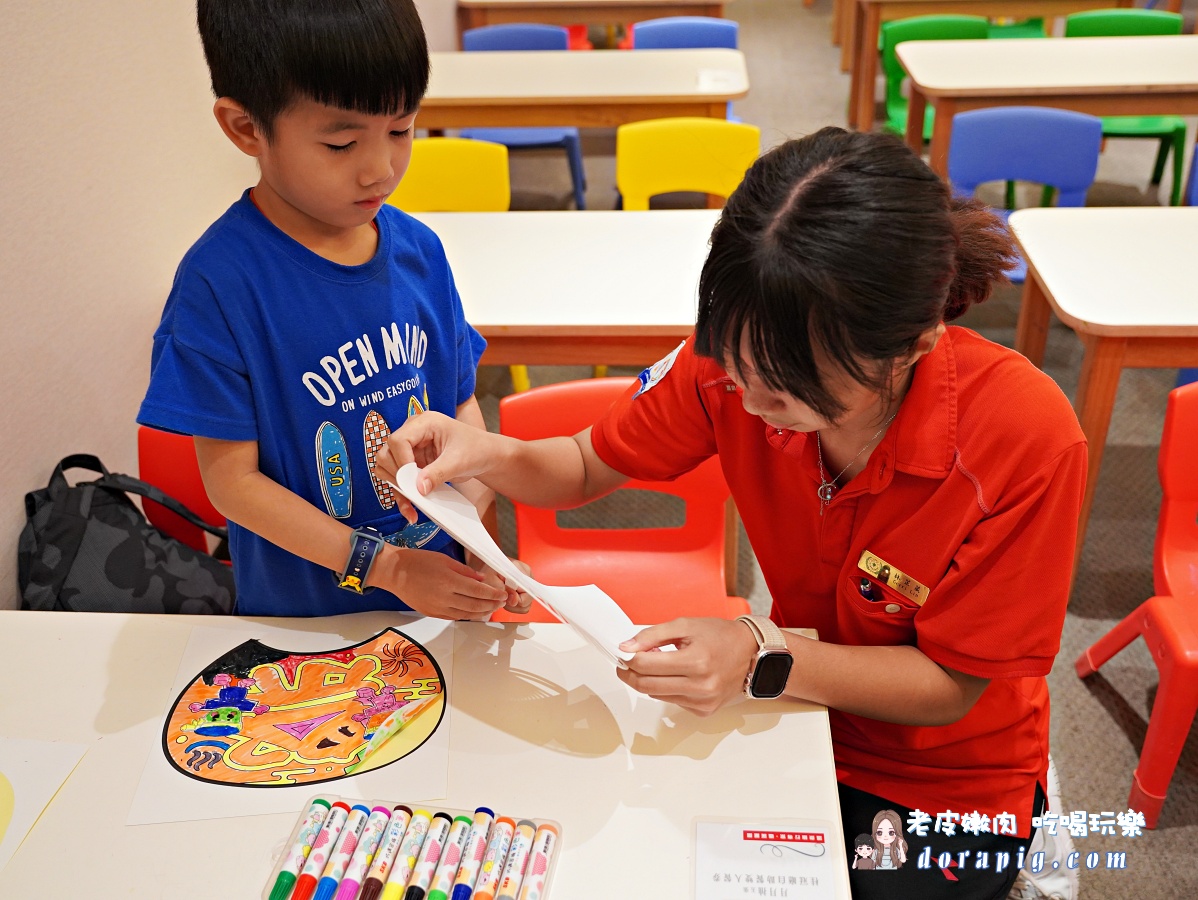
(579,37)
(1168,622)
(168,461)
(655,574)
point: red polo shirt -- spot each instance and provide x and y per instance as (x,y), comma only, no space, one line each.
(974,492)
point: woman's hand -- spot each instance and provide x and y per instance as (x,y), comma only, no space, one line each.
(707,669)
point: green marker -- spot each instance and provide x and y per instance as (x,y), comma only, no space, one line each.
(298,854)
(451,857)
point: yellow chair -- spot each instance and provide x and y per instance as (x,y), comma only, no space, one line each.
(660,156)
(458,175)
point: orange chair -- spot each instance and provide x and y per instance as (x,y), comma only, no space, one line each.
(1168,622)
(654,574)
(168,461)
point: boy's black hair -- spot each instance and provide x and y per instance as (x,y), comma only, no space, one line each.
(863,840)
(841,248)
(369,56)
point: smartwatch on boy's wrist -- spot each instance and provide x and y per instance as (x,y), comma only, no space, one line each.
(771,666)
(364,546)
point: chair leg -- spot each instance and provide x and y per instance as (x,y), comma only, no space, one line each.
(520,382)
(577,172)
(1110,644)
(1179,164)
(1162,154)
(600,371)
(1168,727)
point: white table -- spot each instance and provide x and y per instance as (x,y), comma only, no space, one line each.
(596,90)
(1122,278)
(1103,76)
(540,726)
(577,288)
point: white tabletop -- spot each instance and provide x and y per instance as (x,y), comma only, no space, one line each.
(1116,270)
(532,77)
(1098,65)
(555,3)
(569,269)
(540,726)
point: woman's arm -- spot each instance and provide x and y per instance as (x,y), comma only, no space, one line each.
(555,473)
(892,684)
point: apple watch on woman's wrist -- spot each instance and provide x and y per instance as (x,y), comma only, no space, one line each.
(771,666)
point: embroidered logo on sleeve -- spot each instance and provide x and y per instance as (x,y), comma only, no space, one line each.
(657,371)
(889,575)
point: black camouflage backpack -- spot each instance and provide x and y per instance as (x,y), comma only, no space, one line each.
(88,548)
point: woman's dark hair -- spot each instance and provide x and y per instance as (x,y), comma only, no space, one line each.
(369,56)
(846,246)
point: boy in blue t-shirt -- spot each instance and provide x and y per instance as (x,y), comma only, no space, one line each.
(311,318)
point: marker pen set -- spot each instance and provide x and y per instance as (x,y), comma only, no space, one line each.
(343,849)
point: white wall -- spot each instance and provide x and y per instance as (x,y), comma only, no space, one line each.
(112,167)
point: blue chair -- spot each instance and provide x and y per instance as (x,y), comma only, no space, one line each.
(686,33)
(529,37)
(1052,147)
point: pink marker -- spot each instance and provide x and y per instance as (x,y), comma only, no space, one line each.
(367,844)
(543,845)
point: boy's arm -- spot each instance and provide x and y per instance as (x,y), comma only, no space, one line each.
(430,583)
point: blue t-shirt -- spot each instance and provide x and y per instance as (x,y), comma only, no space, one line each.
(263,340)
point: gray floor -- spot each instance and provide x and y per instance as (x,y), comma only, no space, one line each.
(1098,726)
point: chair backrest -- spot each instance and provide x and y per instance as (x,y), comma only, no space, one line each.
(685,33)
(516,37)
(1122,23)
(569,407)
(168,461)
(1047,146)
(455,175)
(660,156)
(924,28)
(1175,551)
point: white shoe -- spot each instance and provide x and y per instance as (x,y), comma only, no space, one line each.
(1055,880)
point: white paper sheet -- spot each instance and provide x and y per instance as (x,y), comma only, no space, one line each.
(165,795)
(31,772)
(732,858)
(595,615)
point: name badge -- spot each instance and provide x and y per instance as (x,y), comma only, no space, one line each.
(889,575)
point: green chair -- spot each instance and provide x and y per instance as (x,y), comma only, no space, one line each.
(1027,28)
(919,28)
(1169,130)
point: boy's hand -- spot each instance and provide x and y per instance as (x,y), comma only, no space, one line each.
(708,670)
(435,585)
(517,601)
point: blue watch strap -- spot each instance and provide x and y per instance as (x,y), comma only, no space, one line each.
(364,546)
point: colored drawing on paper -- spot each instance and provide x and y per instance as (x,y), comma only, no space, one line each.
(260,717)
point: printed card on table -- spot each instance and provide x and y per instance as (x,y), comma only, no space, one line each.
(787,858)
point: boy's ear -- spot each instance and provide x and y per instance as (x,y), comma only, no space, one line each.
(238,127)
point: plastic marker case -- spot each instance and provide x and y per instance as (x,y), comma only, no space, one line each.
(285,845)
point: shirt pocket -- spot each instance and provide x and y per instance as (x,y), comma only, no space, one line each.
(888,618)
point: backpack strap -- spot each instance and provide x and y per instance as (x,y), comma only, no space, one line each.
(128,484)
(58,480)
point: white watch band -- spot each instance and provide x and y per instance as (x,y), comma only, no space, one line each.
(769,636)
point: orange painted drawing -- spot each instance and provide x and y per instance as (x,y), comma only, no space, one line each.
(261,717)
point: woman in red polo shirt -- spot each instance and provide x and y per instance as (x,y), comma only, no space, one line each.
(910,489)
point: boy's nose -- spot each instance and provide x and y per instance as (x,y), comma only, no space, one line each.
(377,170)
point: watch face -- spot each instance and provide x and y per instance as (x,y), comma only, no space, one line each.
(770,674)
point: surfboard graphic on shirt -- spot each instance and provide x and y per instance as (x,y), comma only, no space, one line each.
(375,432)
(332,460)
(414,407)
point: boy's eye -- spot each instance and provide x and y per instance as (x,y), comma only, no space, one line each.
(338,148)
(403,133)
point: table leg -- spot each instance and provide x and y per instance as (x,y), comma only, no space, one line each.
(865,65)
(1031,334)
(837,22)
(1096,389)
(731,546)
(848,36)
(942,131)
(915,113)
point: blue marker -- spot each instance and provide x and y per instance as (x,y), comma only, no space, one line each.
(340,858)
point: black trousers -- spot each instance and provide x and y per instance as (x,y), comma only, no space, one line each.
(981,867)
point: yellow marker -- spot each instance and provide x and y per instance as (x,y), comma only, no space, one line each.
(895,578)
